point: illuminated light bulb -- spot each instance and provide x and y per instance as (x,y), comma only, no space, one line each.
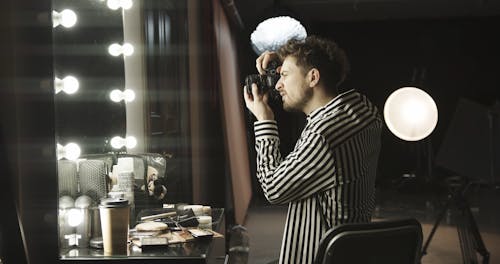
(68,84)
(410,113)
(117,95)
(126,4)
(71,151)
(116,49)
(414,111)
(67,18)
(128,49)
(131,142)
(119,142)
(75,217)
(115,4)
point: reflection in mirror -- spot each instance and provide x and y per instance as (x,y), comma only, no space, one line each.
(86,118)
(122,112)
(87,73)
(161,29)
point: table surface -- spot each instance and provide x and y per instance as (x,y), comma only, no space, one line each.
(196,249)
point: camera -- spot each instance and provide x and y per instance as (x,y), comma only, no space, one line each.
(265,82)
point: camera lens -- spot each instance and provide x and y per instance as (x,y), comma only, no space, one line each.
(265,82)
(253,78)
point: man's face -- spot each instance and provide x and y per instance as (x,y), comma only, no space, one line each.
(293,86)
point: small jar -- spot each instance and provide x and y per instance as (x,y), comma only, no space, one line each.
(205,222)
(207,210)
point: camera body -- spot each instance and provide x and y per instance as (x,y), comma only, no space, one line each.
(265,82)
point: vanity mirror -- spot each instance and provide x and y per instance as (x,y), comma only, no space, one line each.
(57,90)
(86,73)
(120,80)
(120,75)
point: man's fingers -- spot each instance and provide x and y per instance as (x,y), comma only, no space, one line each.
(255,92)
(247,96)
(265,97)
(262,61)
(265,60)
(258,64)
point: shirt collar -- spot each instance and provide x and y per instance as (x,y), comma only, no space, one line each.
(333,103)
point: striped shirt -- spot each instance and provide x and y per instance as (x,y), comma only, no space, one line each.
(333,165)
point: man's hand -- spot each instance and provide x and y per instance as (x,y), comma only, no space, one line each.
(264,59)
(257,104)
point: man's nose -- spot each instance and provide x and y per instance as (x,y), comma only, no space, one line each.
(278,85)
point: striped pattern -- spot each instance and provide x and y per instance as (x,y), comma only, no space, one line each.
(333,165)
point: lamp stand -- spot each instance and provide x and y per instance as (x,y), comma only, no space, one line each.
(468,232)
(493,115)
(423,167)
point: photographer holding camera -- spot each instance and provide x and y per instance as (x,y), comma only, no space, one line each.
(329,177)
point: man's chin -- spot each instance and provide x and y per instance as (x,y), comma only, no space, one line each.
(289,108)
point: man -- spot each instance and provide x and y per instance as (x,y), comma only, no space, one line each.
(329,177)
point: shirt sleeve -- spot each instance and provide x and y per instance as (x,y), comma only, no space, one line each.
(308,169)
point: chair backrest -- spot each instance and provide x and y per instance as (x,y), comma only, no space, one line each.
(390,241)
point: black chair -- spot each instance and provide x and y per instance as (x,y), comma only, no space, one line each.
(391,241)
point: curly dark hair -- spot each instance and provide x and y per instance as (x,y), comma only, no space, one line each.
(322,54)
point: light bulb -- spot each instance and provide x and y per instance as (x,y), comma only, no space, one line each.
(71,151)
(127,49)
(68,84)
(119,142)
(67,18)
(414,112)
(117,95)
(410,113)
(116,49)
(131,142)
(129,95)
(126,4)
(75,217)
(115,4)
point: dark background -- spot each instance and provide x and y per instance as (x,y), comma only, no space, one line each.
(447,48)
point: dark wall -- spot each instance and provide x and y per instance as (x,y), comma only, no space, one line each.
(27,121)
(448,58)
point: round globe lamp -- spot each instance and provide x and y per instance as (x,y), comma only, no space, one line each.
(410,113)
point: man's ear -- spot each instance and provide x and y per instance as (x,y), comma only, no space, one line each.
(313,77)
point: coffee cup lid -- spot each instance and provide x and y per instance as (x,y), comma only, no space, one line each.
(96,242)
(113,202)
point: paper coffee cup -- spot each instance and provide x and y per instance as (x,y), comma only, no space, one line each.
(115,213)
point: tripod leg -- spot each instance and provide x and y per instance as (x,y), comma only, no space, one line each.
(466,242)
(474,230)
(436,224)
